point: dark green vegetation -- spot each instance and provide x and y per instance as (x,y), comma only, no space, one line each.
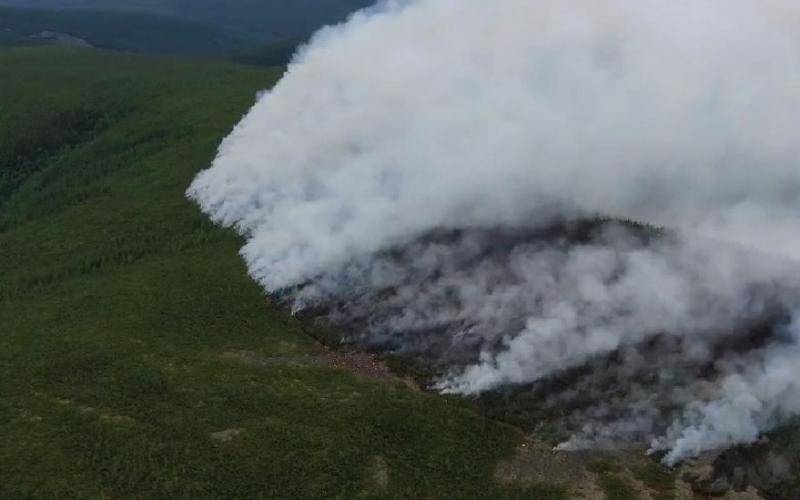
(124,316)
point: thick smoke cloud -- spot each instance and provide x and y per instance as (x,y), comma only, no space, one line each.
(493,120)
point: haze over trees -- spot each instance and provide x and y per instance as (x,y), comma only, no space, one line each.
(261,19)
(261,33)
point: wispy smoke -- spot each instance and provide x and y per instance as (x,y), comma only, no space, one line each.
(402,173)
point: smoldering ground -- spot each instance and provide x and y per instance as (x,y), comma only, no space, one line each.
(402,176)
(632,328)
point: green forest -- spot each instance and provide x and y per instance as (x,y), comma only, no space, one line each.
(127,319)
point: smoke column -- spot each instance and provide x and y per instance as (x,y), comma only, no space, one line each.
(409,160)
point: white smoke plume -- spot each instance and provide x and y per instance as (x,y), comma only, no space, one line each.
(755,396)
(493,120)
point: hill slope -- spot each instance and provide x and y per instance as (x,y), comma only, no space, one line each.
(137,359)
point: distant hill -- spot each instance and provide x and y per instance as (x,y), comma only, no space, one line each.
(11,39)
(255,32)
(260,19)
(129,32)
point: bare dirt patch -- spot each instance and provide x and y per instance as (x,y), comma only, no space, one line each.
(226,436)
(103,415)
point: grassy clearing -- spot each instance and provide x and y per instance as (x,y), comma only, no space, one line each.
(118,301)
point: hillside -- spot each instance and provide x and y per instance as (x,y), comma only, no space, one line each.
(137,359)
